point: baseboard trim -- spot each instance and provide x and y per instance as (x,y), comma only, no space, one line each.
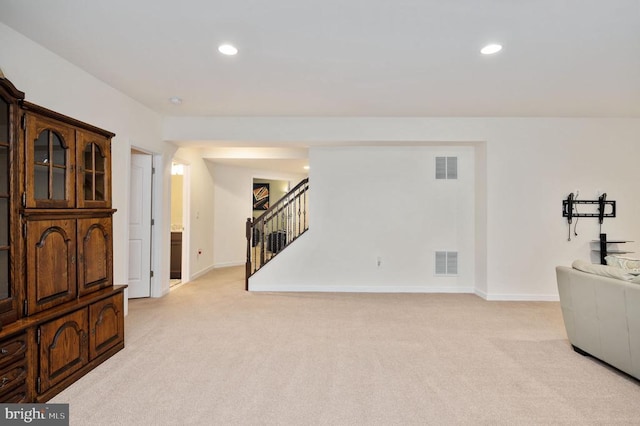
(518,297)
(228,265)
(401,289)
(212,267)
(202,272)
(356,289)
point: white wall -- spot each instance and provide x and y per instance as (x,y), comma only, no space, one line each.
(201,212)
(480,226)
(531,166)
(54,83)
(381,203)
(232,207)
(177,195)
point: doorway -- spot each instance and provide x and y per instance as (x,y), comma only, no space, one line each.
(179,256)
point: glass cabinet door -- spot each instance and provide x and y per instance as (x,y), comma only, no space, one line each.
(94,157)
(50,147)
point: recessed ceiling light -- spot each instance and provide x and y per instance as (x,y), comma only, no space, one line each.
(306,167)
(227,49)
(175,100)
(490,49)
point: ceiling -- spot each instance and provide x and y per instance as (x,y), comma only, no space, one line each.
(351,57)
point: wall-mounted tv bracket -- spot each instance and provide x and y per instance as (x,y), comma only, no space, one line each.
(568,207)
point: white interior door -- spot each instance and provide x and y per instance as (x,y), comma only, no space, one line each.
(140,226)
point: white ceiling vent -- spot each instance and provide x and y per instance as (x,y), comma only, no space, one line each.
(446,167)
(446,263)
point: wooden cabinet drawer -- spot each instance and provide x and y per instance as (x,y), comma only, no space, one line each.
(15,396)
(13,375)
(12,349)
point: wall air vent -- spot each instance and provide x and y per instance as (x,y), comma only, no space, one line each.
(446,263)
(446,167)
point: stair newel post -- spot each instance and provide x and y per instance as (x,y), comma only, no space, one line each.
(247,269)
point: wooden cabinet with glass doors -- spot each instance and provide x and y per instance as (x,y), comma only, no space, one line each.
(68,163)
(60,314)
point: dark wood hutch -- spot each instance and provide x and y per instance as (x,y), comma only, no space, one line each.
(60,314)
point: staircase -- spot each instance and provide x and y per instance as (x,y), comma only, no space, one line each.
(276,228)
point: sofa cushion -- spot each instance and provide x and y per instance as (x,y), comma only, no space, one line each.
(631,266)
(602,270)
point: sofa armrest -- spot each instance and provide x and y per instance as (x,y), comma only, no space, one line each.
(595,315)
(579,310)
(633,318)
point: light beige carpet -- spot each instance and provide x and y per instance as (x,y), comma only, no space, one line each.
(211,354)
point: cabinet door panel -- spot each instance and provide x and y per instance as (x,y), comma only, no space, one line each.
(93,156)
(50,152)
(63,348)
(51,268)
(95,254)
(175,264)
(106,319)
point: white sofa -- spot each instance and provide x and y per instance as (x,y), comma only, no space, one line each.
(602,314)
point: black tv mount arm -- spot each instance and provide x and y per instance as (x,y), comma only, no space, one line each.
(569,204)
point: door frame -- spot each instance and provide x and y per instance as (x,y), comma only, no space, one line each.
(157,239)
(155,282)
